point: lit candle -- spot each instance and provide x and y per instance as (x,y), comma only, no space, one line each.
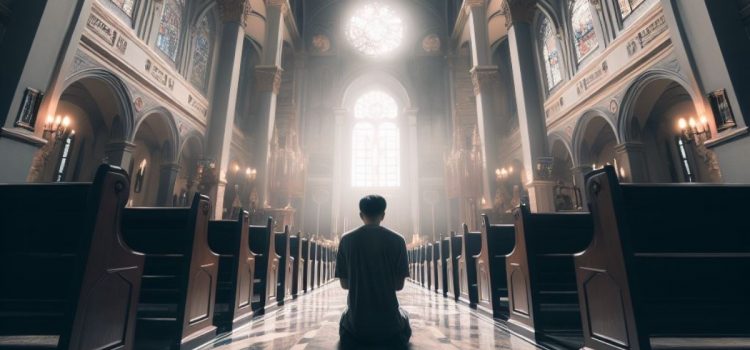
(691,122)
(682,124)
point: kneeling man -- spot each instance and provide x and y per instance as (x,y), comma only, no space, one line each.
(372,265)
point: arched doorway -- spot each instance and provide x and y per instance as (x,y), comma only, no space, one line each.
(186,182)
(567,191)
(595,141)
(153,171)
(99,122)
(652,120)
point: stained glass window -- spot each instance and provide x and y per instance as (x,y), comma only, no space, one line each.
(375,29)
(584,35)
(376,160)
(125,5)
(627,6)
(168,39)
(201,53)
(550,53)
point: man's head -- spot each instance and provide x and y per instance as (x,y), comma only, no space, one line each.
(372,209)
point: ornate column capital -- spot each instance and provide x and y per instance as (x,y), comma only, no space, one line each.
(234,11)
(482,77)
(516,11)
(469,4)
(283,5)
(268,79)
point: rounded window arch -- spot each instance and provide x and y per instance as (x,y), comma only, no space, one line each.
(376,160)
(549,50)
(582,29)
(628,6)
(170,28)
(127,6)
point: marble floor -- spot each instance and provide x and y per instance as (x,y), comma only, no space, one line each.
(311,322)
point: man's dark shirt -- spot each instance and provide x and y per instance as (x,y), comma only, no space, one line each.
(373,259)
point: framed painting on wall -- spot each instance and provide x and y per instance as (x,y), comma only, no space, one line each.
(722,110)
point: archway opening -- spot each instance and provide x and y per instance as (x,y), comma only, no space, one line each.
(152,171)
(567,193)
(669,155)
(187,177)
(96,131)
(598,143)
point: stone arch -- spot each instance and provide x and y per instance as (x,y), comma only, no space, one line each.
(588,128)
(153,169)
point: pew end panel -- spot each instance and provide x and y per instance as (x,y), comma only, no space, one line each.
(471,246)
(234,292)
(261,240)
(492,285)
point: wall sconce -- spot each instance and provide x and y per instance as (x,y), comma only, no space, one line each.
(140,176)
(502,174)
(251,174)
(694,131)
(57,128)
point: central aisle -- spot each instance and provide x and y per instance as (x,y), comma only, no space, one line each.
(311,322)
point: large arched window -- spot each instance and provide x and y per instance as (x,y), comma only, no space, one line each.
(582,23)
(201,52)
(376,160)
(550,53)
(126,6)
(168,38)
(628,6)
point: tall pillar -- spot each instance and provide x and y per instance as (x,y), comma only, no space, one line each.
(268,80)
(631,162)
(411,118)
(224,99)
(38,47)
(339,115)
(167,178)
(482,76)
(519,15)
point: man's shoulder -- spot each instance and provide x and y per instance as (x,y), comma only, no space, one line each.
(382,229)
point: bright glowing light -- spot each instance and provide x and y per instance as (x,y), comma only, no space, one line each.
(375,29)
(682,124)
(375,142)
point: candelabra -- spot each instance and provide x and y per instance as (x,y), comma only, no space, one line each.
(56,130)
(694,131)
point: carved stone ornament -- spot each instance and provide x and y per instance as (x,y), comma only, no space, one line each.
(284,7)
(234,10)
(321,43)
(482,78)
(431,43)
(518,11)
(268,79)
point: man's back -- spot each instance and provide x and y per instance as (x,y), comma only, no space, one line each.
(372,259)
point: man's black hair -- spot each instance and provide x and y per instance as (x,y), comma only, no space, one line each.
(372,205)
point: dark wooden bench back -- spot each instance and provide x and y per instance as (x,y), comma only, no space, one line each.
(295,251)
(664,260)
(427,251)
(234,295)
(436,266)
(261,244)
(305,259)
(284,283)
(471,246)
(541,274)
(492,284)
(180,269)
(64,267)
(455,243)
(313,273)
(445,265)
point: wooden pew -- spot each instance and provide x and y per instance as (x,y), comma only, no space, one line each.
(410,254)
(314,248)
(176,303)
(295,250)
(435,275)
(665,261)
(234,290)
(471,245)
(420,264)
(323,264)
(443,266)
(266,265)
(64,267)
(305,264)
(286,263)
(492,283)
(428,265)
(541,276)
(454,251)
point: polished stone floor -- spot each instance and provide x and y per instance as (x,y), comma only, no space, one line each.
(311,323)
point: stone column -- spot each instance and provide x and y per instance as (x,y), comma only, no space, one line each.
(632,165)
(519,15)
(167,177)
(268,82)
(119,153)
(482,76)
(224,98)
(340,116)
(411,118)
(38,46)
